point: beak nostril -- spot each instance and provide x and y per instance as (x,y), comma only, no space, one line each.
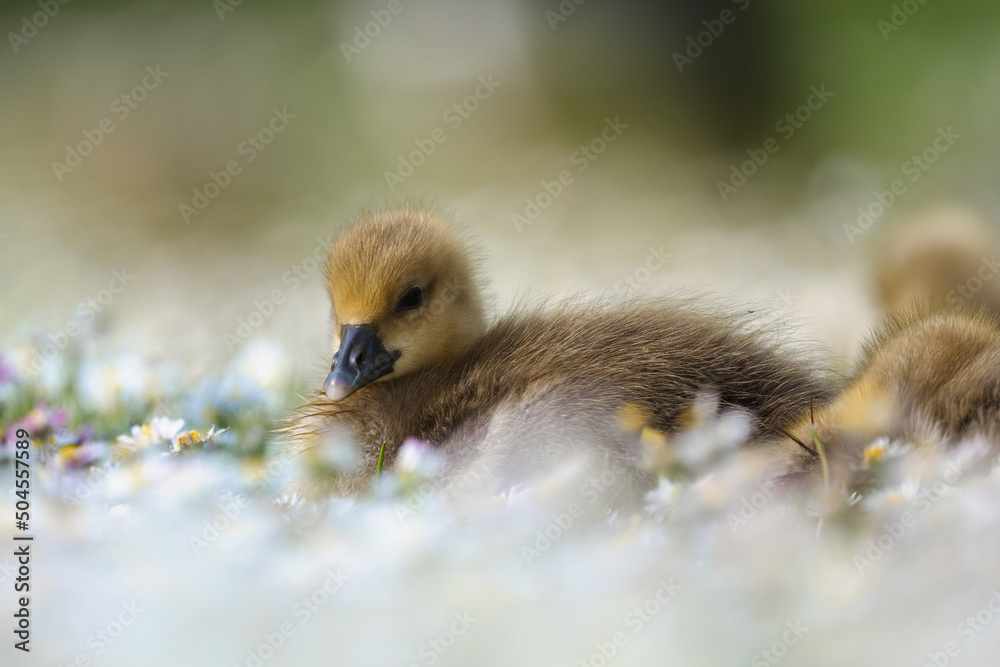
(359,361)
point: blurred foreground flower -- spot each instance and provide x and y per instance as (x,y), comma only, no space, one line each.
(159,431)
(8,374)
(661,501)
(42,422)
(417,460)
(75,456)
(193,439)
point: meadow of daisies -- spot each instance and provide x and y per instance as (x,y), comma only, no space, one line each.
(165,533)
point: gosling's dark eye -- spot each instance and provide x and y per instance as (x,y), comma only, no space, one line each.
(412,298)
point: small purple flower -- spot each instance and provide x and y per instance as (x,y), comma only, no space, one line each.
(78,456)
(8,373)
(42,422)
(416,458)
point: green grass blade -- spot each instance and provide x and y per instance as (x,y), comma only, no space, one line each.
(381,461)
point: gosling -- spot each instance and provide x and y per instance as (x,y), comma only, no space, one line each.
(929,374)
(945,255)
(414,356)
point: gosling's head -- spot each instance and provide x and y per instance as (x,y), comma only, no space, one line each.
(941,255)
(404,298)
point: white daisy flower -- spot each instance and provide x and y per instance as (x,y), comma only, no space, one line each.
(159,430)
(661,501)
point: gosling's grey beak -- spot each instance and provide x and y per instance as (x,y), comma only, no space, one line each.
(360,360)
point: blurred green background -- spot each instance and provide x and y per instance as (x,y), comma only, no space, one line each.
(779,241)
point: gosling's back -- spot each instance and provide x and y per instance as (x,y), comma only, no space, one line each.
(540,384)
